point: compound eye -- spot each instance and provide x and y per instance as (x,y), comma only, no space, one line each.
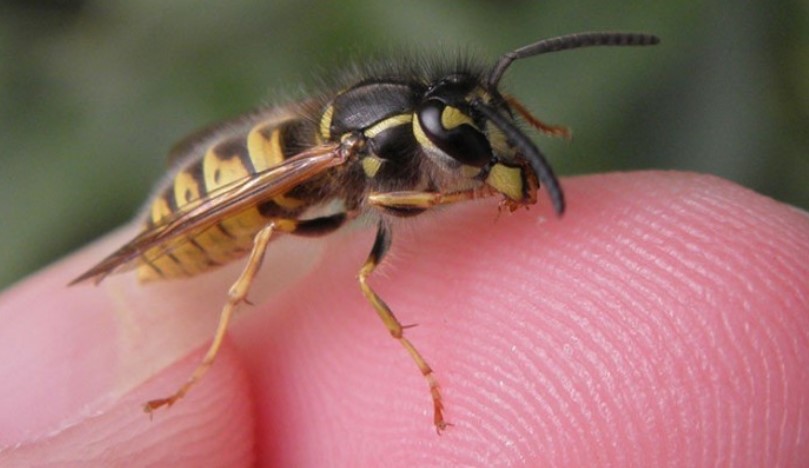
(453,132)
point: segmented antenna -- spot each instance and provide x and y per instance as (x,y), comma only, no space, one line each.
(571,41)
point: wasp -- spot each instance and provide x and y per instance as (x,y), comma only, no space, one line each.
(394,142)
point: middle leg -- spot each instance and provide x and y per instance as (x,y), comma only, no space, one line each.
(381,246)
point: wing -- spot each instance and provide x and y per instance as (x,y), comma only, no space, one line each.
(225,201)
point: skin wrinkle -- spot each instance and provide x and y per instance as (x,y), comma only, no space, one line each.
(628,426)
(708,328)
(544,392)
(730,352)
(581,374)
(771,269)
(733,342)
(534,343)
(783,382)
(703,327)
(801,396)
(589,369)
(119,436)
(668,350)
(663,240)
(584,303)
(800,432)
(554,384)
(499,422)
(726,260)
(791,277)
(548,392)
(651,351)
(567,326)
(783,419)
(660,410)
(523,400)
(714,415)
(515,441)
(693,337)
(765,350)
(603,377)
(496,424)
(769,382)
(695,341)
(499,395)
(735,420)
(475,427)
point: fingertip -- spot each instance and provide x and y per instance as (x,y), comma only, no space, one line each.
(69,352)
(212,426)
(56,351)
(613,335)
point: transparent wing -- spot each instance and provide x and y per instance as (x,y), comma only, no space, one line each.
(221,203)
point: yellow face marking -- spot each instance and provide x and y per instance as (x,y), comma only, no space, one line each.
(506,180)
(325,122)
(388,123)
(497,140)
(219,172)
(421,138)
(452,117)
(371,165)
(264,152)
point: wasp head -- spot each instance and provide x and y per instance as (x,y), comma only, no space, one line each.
(465,125)
(467,119)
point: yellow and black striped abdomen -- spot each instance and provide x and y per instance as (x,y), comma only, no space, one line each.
(211,167)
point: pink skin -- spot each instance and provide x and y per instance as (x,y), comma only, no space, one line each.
(664,320)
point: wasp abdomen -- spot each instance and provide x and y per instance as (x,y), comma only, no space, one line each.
(226,160)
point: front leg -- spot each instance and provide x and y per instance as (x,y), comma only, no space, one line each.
(420,201)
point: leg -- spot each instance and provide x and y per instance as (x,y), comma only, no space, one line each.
(552,130)
(236,295)
(381,245)
(425,200)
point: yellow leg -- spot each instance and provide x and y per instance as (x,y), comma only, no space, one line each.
(236,295)
(426,200)
(381,245)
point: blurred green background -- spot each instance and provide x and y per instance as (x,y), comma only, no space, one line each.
(92,93)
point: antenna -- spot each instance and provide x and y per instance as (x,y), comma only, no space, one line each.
(570,41)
